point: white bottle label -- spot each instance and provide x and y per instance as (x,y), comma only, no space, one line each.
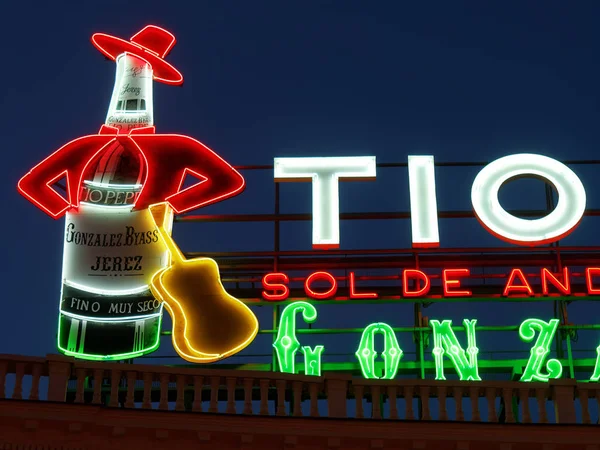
(111,251)
(131,102)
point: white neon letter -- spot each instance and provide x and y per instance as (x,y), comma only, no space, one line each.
(423,203)
(325,173)
(554,226)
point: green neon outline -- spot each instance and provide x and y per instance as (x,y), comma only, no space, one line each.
(445,341)
(118,356)
(366,352)
(596,375)
(540,350)
(312,359)
(286,345)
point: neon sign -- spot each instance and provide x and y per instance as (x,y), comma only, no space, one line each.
(118,262)
(446,345)
(121,266)
(325,173)
(276,284)
(286,344)
(366,353)
(423,208)
(217,180)
(208,323)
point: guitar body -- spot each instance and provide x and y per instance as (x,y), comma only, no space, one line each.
(208,323)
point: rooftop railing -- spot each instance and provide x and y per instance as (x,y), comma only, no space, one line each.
(136,386)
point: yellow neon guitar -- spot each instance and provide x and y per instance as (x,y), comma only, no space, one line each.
(208,323)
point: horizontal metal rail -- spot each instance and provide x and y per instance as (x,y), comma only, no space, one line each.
(568,162)
(438,252)
(382,215)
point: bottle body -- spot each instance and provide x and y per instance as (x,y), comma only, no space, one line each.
(107,310)
(111,251)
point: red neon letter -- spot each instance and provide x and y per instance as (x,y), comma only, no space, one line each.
(517,288)
(323,276)
(276,282)
(447,283)
(417,275)
(589,273)
(564,288)
(354,294)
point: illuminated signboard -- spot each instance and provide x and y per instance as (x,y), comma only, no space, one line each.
(112,247)
(417,284)
(538,367)
(326,171)
(120,189)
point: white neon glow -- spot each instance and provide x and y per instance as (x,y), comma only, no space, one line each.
(554,226)
(93,290)
(112,235)
(111,185)
(423,203)
(107,207)
(131,103)
(325,173)
(112,319)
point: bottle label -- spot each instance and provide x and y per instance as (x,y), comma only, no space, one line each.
(131,102)
(79,303)
(108,195)
(111,251)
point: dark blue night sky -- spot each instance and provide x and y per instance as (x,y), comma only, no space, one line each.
(463,81)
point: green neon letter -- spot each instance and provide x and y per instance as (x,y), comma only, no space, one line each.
(312,360)
(366,353)
(596,374)
(445,341)
(286,345)
(540,350)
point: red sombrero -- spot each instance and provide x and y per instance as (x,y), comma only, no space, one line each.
(151,44)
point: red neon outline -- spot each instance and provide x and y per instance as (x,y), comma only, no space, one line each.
(135,38)
(323,276)
(268,285)
(564,289)
(35,184)
(158,64)
(447,284)
(186,171)
(151,129)
(64,173)
(107,129)
(235,180)
(417,275)
(517,287)
(169,154)
(352,289)
(589,281)
(426,244)
(154,146)
(326,246)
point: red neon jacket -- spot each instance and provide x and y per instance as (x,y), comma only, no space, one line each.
(168,159)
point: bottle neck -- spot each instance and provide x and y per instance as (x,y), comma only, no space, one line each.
(131,102)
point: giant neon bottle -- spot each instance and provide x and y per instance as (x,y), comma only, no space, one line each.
(110,250)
